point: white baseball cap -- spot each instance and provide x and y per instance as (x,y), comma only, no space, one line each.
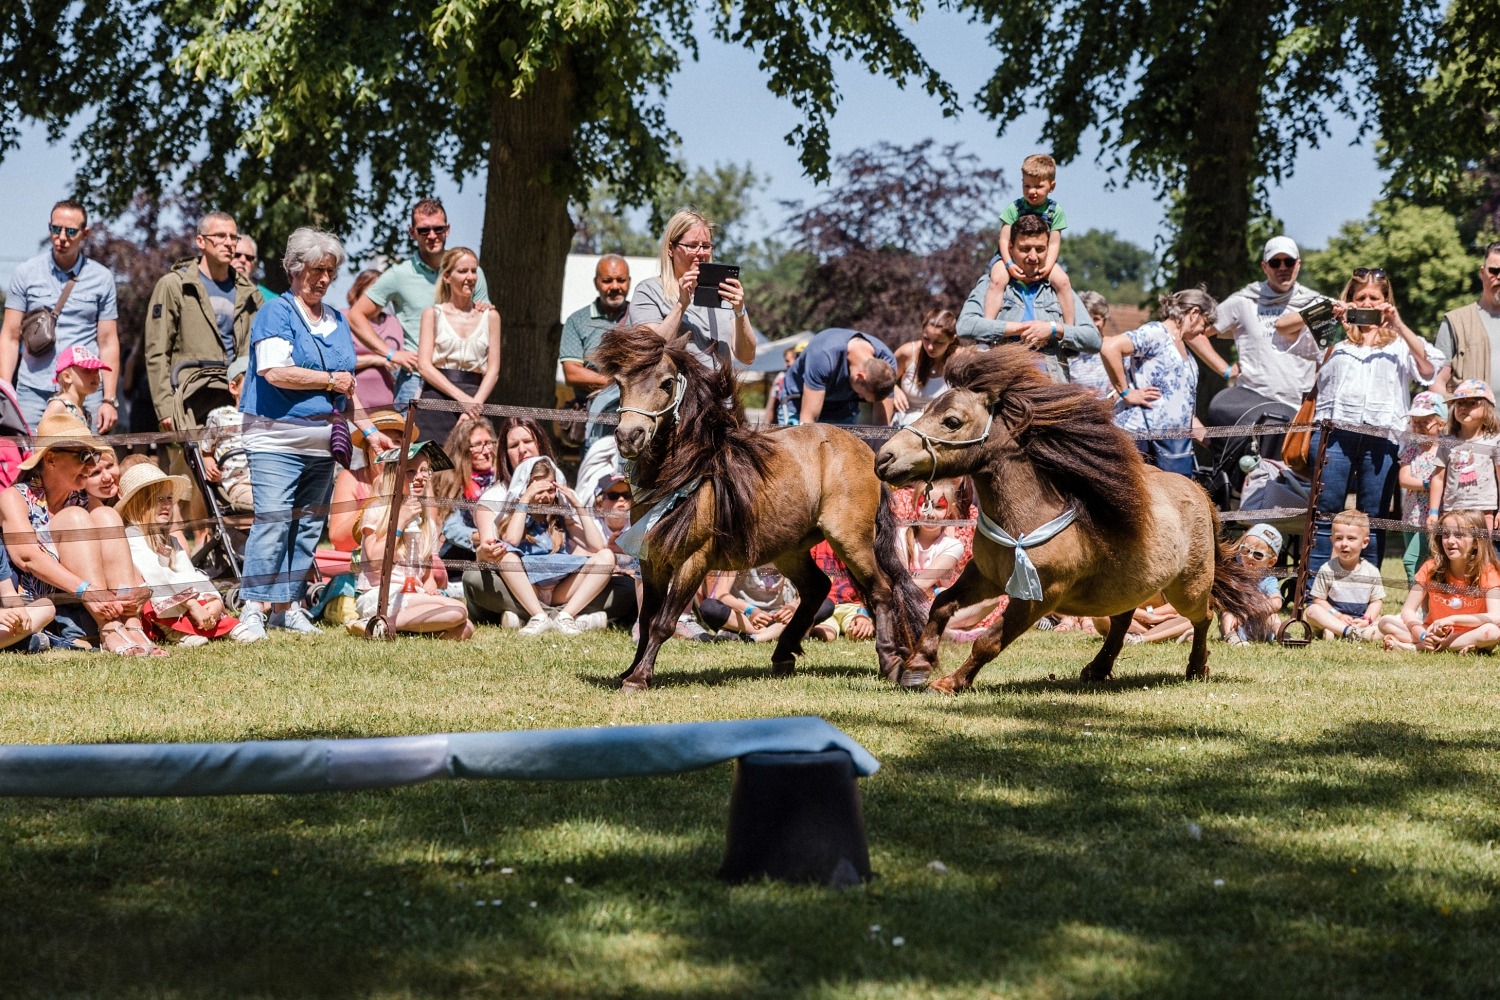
(1267,534)
(1280,244)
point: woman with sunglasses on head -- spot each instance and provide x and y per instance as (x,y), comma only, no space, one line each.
(1366,379)
(665,303)
(58,545)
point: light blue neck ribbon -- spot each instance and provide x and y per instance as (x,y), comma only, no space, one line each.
(633,539)
(1024,583)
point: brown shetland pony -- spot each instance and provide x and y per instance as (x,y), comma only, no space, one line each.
(748,497)
(1036,448)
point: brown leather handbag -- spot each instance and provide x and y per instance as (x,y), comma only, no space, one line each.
(39,326)
(1297,444)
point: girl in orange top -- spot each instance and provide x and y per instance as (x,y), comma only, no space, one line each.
(1461,587)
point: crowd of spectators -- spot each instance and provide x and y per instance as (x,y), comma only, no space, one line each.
(308,446)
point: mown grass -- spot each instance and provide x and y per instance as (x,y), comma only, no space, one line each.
(1312,822)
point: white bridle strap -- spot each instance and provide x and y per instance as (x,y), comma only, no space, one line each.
(928,441)
(671,408)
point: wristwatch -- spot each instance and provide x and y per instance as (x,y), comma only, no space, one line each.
(112,401)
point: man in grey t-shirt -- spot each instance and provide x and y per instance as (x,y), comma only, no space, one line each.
(1474,332)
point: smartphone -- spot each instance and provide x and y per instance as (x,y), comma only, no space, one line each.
(1363,317)
(710,276)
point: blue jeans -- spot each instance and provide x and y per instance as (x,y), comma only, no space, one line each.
(1169,455)
(408,384)
(1365,466)
(279,551)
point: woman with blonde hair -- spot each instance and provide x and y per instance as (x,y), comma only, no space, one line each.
(458,352)
(471,447)
(415,603)
(1365,379)
(665,303)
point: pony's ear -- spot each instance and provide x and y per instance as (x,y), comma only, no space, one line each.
(1015,413)
(679,342)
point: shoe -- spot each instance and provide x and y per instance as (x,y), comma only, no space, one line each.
(40,642)
(1046,624)
(539,623)
(357,627)
(296,620)
(567,624)
(688,628)
(190,641)
(510,620)
(252,627)
(593,621)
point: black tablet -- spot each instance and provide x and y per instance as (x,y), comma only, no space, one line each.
(710,276)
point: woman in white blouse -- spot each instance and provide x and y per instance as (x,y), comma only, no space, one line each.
(1366,380)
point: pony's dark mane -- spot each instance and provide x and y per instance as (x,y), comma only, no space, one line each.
(1066,433)
(709,438)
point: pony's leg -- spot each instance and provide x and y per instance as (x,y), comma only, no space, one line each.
(812,589)
(1103,663)
(969,589)
(1014,621)
(1197,667)
(661,607)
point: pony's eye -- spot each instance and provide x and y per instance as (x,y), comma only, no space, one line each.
(952,422)
(666,385)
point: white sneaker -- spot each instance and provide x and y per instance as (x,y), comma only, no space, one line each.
(510,620)
(593,621)
(252,627)
(189,641)
(688,628)
(567,624)
(296,620)
(538,624)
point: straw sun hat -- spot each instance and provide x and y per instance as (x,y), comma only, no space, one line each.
(63,432)
(139,477)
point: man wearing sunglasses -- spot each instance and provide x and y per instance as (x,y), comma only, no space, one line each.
(1274,345)
(86,319)
(408,289)
(201,310)
(1471,335)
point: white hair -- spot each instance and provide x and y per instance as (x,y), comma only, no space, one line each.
(308,246)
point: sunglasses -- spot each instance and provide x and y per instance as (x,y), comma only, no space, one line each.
(1369,274)
(431,230)
(244,256)
(616,494)
(1260,555)
(72,231)
(87,456)
(1282,263)
(1494,272)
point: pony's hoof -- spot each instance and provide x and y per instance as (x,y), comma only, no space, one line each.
(943,685)
(1201,674)
(783,668)
(1089,675)
(628,686)
(911,679)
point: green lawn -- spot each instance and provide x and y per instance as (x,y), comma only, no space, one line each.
(1308,822)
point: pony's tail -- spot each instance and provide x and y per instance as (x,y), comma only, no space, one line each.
(1236,586)
(890,556)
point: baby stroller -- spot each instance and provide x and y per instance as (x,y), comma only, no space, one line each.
(199,388)
(1225,475)
(15,435)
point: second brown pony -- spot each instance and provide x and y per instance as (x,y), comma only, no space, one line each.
(718,494)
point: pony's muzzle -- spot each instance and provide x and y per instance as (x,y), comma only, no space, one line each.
(632,440)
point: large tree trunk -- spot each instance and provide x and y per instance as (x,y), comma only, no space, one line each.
(1220,151)
(527,232)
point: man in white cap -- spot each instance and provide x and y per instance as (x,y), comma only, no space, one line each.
(1276,350)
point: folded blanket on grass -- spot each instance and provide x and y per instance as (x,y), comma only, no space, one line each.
(286,766)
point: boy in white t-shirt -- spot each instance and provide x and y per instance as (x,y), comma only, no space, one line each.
(1347,594)
(225,460)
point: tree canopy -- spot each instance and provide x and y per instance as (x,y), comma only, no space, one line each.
(341,112)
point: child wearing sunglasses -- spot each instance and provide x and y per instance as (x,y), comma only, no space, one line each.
(1454,602)
(1259,548)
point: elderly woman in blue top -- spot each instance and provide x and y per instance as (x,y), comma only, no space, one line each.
(1030,312)
(301,379)
(1154,380)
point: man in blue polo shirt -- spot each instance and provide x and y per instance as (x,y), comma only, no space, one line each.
(87,318)
(408,289)
(839,369)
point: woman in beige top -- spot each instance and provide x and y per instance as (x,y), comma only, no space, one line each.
(459,350)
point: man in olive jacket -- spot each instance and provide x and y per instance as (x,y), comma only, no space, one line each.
(201,309)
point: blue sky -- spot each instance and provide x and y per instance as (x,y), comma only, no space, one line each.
(723,113)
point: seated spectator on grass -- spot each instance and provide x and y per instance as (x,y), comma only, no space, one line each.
(223,449)
(1347,593)
(415,601)
(103,484)
(57,544)
(933,553)
(471,447)
(520,438)
(185,607)
(754,605)
(1454,603)
(850,617)
(546,558)
(1260,547)
(22,623)
(353,486)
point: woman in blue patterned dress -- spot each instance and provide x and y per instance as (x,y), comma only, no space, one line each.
(1154,380)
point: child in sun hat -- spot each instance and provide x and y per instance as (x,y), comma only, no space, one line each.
(77,378)
(1465,477)
(1426,419)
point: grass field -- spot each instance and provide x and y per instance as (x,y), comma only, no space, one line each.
(1317,822)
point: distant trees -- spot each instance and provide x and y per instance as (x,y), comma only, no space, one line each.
(1100,260)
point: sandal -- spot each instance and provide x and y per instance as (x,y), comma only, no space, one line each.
(151,648)
(118,632)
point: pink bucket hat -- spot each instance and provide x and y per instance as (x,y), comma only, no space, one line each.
(1473,388)
(78,357)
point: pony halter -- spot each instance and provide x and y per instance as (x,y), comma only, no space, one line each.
(671,408)
(928,441)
